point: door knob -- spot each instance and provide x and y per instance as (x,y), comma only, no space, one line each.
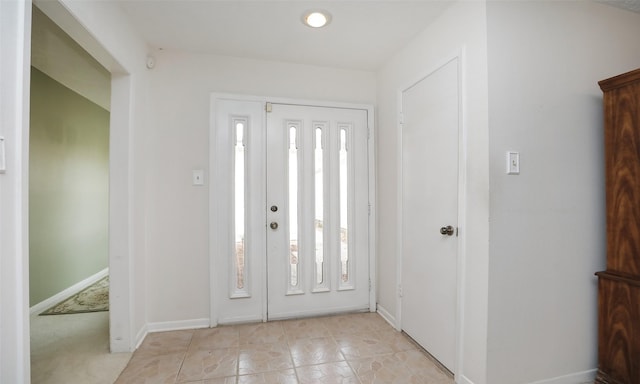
(273,225)
(448,230)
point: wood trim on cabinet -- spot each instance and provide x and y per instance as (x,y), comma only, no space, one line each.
(632,280)
(619,284)
(620,80)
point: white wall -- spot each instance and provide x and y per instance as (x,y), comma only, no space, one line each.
(178,142)
(15,39)
(462,26)
(547,224)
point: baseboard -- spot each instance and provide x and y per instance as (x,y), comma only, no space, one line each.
(167,326)
(462,379)
(63,295)
(573,378)
(387,316)
(141,335)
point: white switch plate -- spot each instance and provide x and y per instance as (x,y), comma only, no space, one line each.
(198,177)
(3,164)
(513,163)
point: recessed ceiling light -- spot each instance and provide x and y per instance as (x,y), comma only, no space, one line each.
(316,19)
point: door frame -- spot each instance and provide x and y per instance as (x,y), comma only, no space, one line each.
(215,222)
(462,187)
(122,331)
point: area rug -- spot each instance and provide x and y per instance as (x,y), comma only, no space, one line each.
(94,298)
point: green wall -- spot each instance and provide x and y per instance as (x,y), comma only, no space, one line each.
(68,188)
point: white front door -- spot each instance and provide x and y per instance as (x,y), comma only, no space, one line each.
(430,133)
(317,198)
(289,210)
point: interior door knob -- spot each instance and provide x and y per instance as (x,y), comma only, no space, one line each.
(448,230)
(273,225)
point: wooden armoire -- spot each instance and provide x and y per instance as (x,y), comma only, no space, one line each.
(619,285)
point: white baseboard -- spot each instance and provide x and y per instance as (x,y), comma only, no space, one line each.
(387,316)
(573,378)
(141,335)
(72,290)
(462,380)
(167,326)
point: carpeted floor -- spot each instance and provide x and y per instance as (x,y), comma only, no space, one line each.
(73,349)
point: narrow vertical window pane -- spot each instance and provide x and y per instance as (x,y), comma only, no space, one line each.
(293,207)
(319,207)
(239,204)
(344,208)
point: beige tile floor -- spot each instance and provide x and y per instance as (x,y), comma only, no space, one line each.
(356,348)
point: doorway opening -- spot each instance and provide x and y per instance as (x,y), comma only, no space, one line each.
(68,199)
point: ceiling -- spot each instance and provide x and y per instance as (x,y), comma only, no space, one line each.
(362,35)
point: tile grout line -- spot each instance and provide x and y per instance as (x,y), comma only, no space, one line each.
(237,329)
(333,337)
(293,364)
(184,356)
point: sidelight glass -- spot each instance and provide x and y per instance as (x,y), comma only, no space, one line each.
(319,206)
(293,208)
(344,206)
(239,204)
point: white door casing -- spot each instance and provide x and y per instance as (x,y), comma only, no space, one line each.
(238,135)
(431,128)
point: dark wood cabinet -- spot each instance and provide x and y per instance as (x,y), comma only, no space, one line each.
(619,285)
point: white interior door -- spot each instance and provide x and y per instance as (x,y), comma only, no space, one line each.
(430,132)
(317,198)
(289,210)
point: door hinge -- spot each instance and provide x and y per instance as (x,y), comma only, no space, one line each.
(399,290)
(369,209)
(268,107)
(369,285)
(401,118)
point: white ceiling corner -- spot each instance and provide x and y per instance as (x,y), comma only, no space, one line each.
(629,5)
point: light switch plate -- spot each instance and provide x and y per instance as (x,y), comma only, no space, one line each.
(198,177)
(513,163)
(3,163)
